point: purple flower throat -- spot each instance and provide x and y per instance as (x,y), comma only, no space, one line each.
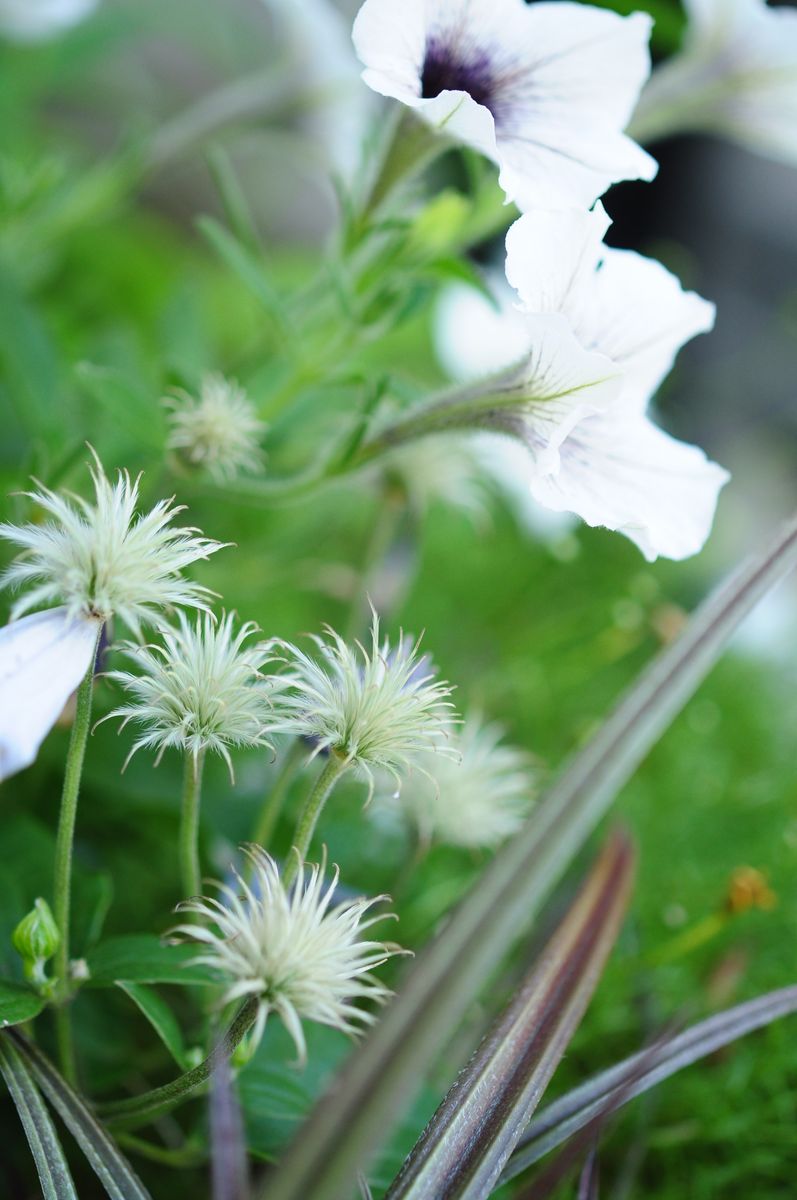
(445,70)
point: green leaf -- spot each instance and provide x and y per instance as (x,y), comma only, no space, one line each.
(45,1147)
(107,1161)
(29,363)
(124,404)
(641,1072)
(18,1003)
(357,1114)
(160,1017)
(143,958)
(469,1139)
(244,264)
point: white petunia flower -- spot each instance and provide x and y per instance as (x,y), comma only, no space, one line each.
(203,689)
(43,659)
(105,559)
(736,76)
(477,800)
(35,20)
(612,466)
(294,950)
(219,430)
(374,708)
(544,90)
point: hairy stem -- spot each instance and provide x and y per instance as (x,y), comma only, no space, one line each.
(62,877)
(139,1110)
(313,806)
(190,875)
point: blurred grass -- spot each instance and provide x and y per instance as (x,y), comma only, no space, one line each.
(97,320)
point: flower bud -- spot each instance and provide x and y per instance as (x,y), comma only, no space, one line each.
(36,938)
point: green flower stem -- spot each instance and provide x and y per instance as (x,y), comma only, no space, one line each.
(410,145)
(140,1110)
(270,812)
(62,877)
(483,403)
(313,806)
(190,874)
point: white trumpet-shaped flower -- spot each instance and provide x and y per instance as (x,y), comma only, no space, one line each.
(544,90)
(43,658)
(736,76)
(477,800)
(35,20)
(105,559)
(219,430)
(594,451)
(374,707)
(293,949)
(203,689)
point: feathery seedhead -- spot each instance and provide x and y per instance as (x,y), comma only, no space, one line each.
(375,708)
(299,954)
(203,689)
(219,430)
(105,559)
(477,800)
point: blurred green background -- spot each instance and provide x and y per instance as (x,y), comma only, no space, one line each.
(111,292)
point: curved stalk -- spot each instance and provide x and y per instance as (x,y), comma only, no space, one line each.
(62,876)
(139,1110)
(188,850)
(308,818)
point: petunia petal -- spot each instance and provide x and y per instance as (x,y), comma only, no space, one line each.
(42,660)
(627,475)
(543,90)
(629,308)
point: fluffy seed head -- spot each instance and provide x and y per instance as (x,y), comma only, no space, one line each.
(105,559)
(203,689)
(218,430)
(375,707)
(477,800)
(296,951)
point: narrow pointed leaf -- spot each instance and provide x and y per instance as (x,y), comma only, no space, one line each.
(54,1176)
(366,1099)
(107,1161)
(160,1017)
(227,1141)
(472,1134)
(641,1072)
(589,1183)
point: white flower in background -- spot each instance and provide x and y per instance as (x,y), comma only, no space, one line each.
(34,20)
(105,559)
(477,800)
(203,689)
(736,76)
(438,470)
(374,708)
(295,951)
(543,90)
(43,659)
(219,430)
(315,45)
(611,465)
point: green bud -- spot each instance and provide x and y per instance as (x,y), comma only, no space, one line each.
(36,939)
